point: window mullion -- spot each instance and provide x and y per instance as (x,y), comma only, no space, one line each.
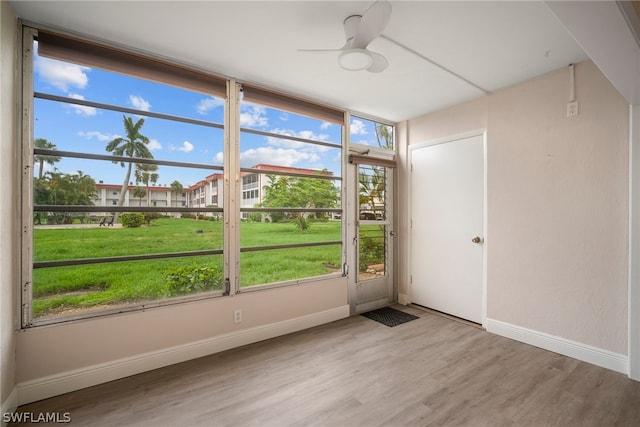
(231,187)
(26,311)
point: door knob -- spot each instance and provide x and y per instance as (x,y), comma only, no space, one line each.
(477,239)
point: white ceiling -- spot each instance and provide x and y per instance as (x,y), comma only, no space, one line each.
(490,44)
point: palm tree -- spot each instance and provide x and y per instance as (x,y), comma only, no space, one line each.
(145,173)
(372,187)
(41,159)
(176,188)
(139,192)
(133,145)
(384,135)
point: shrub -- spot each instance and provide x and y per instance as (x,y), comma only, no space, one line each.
(301,223)
(150,216)
(132,219)
(255,217)
(371,251)
(202,217)
(194,278)
(276,216)
(187,216)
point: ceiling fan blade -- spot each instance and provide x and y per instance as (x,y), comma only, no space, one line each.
(372,24)
(319,50)
(379,63)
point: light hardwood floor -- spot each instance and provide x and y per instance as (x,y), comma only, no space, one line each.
(431,371)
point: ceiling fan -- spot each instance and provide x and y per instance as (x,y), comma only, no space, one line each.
(360,31)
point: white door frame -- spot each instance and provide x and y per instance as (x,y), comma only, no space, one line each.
(634,244)
(483,134)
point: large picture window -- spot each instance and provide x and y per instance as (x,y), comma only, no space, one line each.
(291,193)
(126,185)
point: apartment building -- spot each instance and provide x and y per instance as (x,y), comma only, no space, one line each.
(154,196)
(209,191)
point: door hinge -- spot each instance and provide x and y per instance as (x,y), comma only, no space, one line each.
(345,270)
(227,286)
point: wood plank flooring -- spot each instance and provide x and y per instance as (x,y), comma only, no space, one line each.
(431,371)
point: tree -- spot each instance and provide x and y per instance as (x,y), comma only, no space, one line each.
(41,159)
(384,135)
(176,188)
(64,189)
(139,192)
(145,174)
(372,187)
(298,192)
(134,144)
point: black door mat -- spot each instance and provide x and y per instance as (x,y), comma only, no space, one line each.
(389,316)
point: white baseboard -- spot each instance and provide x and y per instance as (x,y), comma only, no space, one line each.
(9,405)
(596,356)
(403,299)
(64,382)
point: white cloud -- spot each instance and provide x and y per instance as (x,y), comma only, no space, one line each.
(358,127)
(81,109)
(139,102)
(253,115)
(306,134)
(207,104)
(154,145)
(326,125)
(187,147)
(286,157)
(97,135)
(62,75)
(219,158)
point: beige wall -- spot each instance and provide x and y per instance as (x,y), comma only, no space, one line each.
(82,344)
(558,209)
(557,235)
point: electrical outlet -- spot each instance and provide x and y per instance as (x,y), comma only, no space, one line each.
(237,316)
(572,109)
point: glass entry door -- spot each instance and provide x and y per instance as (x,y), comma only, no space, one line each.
(372,285)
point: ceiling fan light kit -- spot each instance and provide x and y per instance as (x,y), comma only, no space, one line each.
(355,59)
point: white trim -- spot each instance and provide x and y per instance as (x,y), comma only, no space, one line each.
(634,244)
(586,353)
(485,228)
(9,405)
(403,299)
(64,382)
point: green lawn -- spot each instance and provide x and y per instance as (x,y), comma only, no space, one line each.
(64,289)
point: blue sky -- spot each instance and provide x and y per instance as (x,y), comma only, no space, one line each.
(86,129)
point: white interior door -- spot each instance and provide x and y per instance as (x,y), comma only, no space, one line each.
(447,196)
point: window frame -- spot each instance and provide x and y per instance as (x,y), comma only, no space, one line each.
(231,187)
(258,96)
(30,35)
